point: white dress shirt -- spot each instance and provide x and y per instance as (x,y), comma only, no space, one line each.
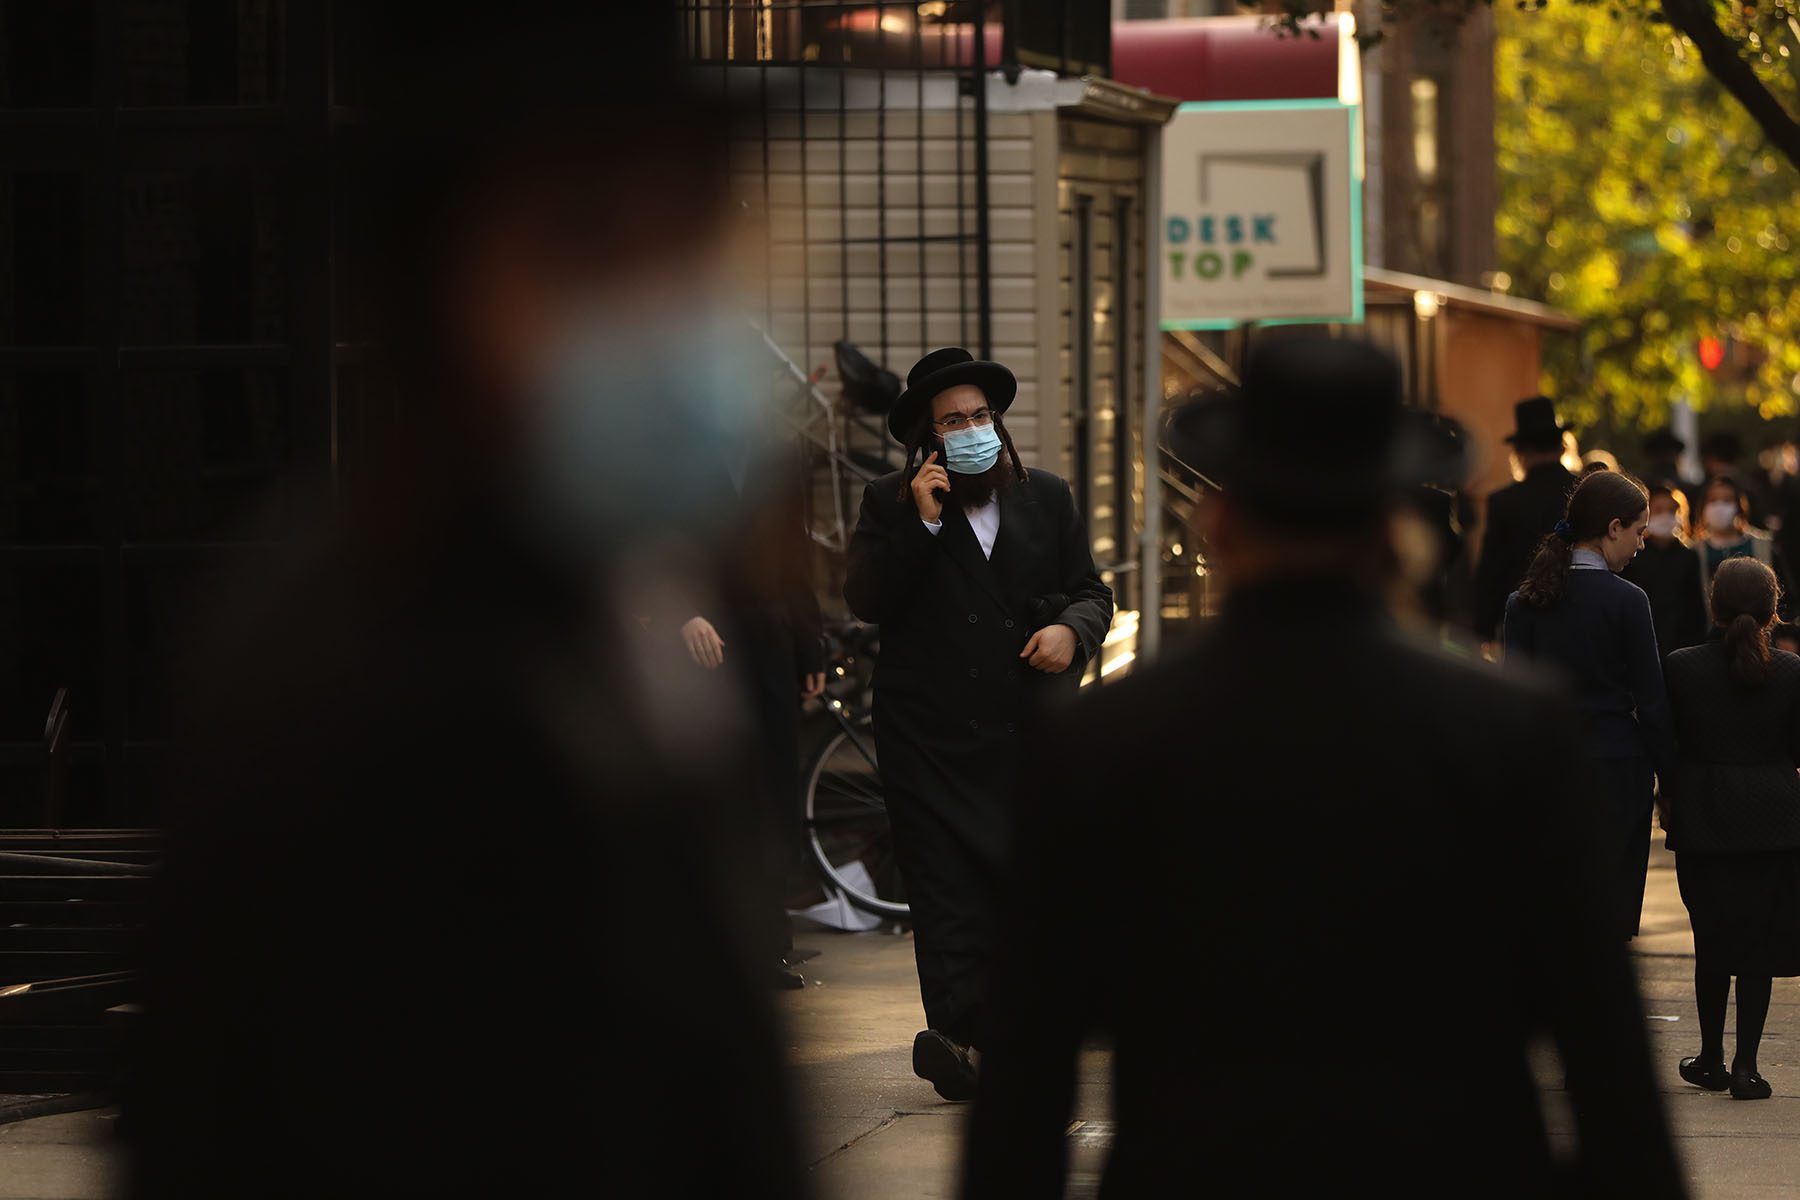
(985,521)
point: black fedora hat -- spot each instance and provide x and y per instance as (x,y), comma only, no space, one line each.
(1723,445)
(1535,423)
(938,372)
(1662,441)
(1312,437)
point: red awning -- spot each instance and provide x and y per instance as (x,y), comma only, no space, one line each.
(1226,58)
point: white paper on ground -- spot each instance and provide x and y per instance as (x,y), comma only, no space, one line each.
(836,911)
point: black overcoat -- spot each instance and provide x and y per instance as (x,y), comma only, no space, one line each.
(953,621)
(1518,518)
(951,694)
(1669,573)
(1340,882)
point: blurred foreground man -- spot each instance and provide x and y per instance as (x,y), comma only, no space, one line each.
(454,902)
(979,573)
(763,629)
(1324,956)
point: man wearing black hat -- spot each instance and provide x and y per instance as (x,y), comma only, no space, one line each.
(980,575)
(1520,515)
(1663,449)
(1324,962)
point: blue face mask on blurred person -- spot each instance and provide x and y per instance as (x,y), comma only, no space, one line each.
(972,451)
(642,421)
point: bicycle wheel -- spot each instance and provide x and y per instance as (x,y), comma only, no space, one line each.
(847,823)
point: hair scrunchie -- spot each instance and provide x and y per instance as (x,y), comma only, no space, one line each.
(1564,530)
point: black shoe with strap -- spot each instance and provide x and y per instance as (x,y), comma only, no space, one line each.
(947,1064)
(1711,1076)
(1748,1085)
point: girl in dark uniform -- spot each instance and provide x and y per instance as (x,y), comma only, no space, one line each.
(1734,813)
(1574,613)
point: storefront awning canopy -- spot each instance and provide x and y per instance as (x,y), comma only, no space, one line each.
(1236,58)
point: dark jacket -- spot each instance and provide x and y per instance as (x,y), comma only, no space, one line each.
(1669,575)
(953,622)
(1734,786)
(952,694)
(1264,960)
(1519,516)
(1600,636)
(430,796)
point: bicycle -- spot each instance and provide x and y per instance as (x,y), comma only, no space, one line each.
(846,824)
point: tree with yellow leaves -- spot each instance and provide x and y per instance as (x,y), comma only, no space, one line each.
(1637,196)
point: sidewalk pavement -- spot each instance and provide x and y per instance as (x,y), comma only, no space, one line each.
(871,1131)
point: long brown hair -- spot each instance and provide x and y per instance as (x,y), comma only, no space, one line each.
(1744,596)
(1597,501)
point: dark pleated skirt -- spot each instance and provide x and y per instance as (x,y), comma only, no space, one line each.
(1745,909)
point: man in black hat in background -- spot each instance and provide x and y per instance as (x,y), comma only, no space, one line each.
(979,573)
(1324,961)
(1663,449)
(1520,515)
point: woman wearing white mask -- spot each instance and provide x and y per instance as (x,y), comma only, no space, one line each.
(1668,569)
(1727,533)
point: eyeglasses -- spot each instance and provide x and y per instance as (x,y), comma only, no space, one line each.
(978,419)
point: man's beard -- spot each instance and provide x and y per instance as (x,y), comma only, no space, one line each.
(973,491)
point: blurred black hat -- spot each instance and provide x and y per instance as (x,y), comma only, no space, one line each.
(1432,451)
(1312,438)
(1724,445)
(1535,425)
(941,370)
(1663,441)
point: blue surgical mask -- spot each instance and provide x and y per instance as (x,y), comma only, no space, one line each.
(639,416)
(972,451)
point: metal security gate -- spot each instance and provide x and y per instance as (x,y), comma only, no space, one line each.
(165,353)
(843,107)
(860,154)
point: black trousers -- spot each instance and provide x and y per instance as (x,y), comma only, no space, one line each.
(1628,797)
(949,802)
(772,806)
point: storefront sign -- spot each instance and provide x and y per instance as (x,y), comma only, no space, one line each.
(1261,214)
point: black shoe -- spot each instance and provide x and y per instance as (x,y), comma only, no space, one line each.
(788,981)
(1748,1085)
(1711,1076)
(950,1067)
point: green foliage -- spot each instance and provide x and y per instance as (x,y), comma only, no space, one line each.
(1639,196)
